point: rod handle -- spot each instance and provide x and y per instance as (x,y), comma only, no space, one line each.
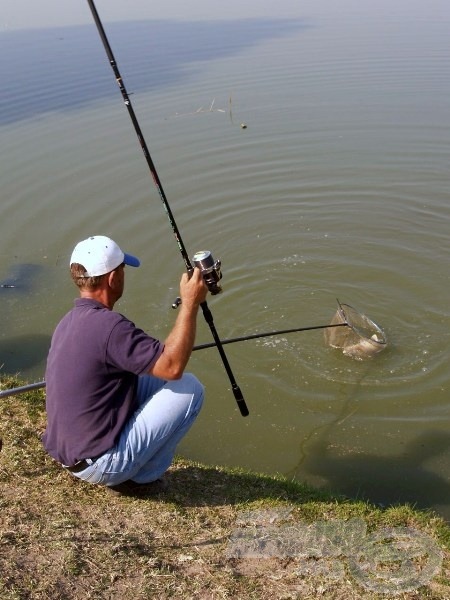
(240,400)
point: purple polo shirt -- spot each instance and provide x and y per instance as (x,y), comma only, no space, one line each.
(93,365)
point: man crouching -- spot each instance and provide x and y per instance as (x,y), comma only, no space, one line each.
(118,400)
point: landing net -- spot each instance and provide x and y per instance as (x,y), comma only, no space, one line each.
(362,338)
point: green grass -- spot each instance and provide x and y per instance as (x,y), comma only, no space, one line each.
(64,539)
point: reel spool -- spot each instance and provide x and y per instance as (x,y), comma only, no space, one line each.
(210,270)
(211,273)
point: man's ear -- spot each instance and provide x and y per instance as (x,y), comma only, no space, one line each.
(112,279)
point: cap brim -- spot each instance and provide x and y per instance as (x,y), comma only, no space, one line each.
(131,260)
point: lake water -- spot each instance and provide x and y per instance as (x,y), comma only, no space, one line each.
(337,188)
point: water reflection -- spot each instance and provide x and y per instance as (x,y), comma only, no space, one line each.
(391,479)
(348,455)
(18,288)
(23,352)
(20,278)
(153,54)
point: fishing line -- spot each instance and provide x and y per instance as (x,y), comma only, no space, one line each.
(205,309)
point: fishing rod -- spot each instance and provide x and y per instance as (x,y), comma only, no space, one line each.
(41,384)
(213,288)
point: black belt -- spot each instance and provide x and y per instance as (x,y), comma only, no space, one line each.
(81,465)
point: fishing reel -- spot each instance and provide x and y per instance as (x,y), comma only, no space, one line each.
(210,270)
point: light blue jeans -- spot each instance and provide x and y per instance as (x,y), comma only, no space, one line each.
(145,450)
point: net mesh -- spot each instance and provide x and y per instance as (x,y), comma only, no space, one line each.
(361,339)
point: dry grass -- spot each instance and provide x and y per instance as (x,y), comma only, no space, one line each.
(63,539)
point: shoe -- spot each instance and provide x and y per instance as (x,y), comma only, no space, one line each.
(132,488)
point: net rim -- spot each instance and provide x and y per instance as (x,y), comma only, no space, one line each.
(382,342)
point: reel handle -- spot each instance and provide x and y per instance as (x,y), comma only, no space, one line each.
(176,303)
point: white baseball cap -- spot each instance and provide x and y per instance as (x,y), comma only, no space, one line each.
(99,255)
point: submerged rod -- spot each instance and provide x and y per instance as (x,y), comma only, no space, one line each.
(41,384)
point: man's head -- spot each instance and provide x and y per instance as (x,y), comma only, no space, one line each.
(96,256)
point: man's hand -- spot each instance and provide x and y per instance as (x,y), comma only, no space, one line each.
(193,289)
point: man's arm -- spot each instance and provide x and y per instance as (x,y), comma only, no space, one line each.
(180,341)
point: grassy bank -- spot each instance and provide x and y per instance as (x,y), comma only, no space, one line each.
(216,533)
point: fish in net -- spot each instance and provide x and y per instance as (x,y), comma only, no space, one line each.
(362,338)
